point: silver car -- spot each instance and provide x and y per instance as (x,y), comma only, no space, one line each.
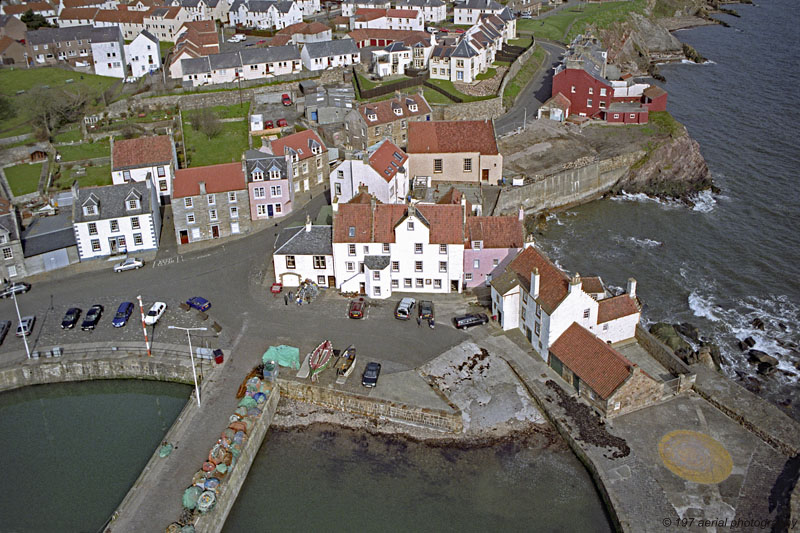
(26,326)
(131,263)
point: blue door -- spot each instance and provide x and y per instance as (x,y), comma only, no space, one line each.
(269,210)
(314,116)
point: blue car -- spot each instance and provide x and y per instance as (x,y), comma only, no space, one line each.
(123,314)
(199,303)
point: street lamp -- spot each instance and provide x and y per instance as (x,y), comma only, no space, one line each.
(19,317)
(191,355)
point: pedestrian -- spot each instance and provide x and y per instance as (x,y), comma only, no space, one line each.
(285,299)
(419,322)
(290,295)
(430,323)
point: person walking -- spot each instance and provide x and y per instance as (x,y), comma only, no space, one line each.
(419,322)
(285,299)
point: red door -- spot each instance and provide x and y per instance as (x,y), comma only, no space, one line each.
(184,237)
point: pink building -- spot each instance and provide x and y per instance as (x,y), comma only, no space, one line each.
(269,184)
(490,244)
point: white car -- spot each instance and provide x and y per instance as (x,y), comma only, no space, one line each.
(131,263)
(155,313)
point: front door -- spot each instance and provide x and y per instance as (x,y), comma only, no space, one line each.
(184,236)
(362,288)
(215,232)
(331,281)
(270,211)
(112,244)
(485,174)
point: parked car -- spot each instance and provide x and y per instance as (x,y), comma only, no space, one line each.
(92,317)
(425,309)
(25,327)
(155,313)
(70,318)
(370,376)
(199,303)
(469,320)
(262,41)
(286,99)
(15,288)
(5,325)
(458,30)
(526,16)
(131,263)
(268,125)
(356,308)
(282,123)
(444,30)
(404,308)
(124,312)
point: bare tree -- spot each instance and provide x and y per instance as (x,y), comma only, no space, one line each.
(52,108)
(207,122)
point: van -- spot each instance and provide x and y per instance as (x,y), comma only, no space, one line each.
(404,307)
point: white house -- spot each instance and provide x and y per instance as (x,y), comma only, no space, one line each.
(303,253)
(381,172)
(166,22)
(197,9)
(549,301)
(388,19)
(468,11)
(116,219)
(382,248)
(108,52)
(349,7)
(432,10)
(308,7)
(150,159)
(265,14)
(394,59)
(330,54)
(246,64)
(143,54)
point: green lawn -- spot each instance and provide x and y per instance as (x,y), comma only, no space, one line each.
(557,27)
(226,147)
(489,74)
(664,123)
(448,86)
(435,97)
(23,179)
(165,48)
(525,74)
(79,152)
(524,42)
(502,63)
(94,177)
(67,136)
(223,111)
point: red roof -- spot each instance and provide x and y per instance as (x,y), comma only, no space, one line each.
(592,284)
(596,363)
(20,9)
(362,198)
(78,13)
(384,109)
(5,206)
(299,142)
(365,14)
(280,40)
(387,160)
(408,37)
(218,178)
(495,232)
(79,3)
(119,16)
(144,151)
(5,42)
(377,224)
(453,196)
(457,136)
(553,282)
(616,307)
(402,13)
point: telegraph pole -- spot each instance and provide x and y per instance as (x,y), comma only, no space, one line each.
(144,327)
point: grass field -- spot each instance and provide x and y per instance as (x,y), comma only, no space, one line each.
(223,111)
(94,177)
(489,74)
(566,24)
(79,152)
(224,148)
(448,86)
(23,179)
(435,97)
(67,136)
(522,78)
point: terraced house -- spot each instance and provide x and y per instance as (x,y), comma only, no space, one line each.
(247,64)
(269,184)
(309,163)
(151,159)
(386,119)
(12,261)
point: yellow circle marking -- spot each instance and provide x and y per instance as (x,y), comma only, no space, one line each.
(695,456)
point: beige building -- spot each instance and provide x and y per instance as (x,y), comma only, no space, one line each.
(454,151)
(387,119)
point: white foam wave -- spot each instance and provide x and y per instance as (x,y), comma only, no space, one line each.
(703,307)
(642,197)
(704,202)
(552,217)
(645,243)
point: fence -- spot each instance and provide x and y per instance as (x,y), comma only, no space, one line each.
(389,88)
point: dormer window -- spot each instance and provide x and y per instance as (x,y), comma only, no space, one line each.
(477,245)
(413,107)
(274,174)
(89,210)
(397,110)
(372,116)
(351,231)
(133,204)
(257,175)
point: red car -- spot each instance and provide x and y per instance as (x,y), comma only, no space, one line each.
(459,30)
(356,309)
(268,125)
(286,99)
(444,30)
(282,123)
(262,41)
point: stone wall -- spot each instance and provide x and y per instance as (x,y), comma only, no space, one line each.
(661,353)
(637,393)
(479,110)
(373,407)
(513,70)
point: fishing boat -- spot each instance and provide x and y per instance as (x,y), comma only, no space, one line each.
(346,362)
(320,358)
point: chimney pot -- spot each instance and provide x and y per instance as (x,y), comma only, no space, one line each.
(308,223)
(632,287)
(535,283)
(202,186)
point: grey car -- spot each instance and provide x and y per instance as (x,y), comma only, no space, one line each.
(15,288)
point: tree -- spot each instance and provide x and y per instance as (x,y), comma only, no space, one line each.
(207,122)
(52,108)
(35,21)
(7,109)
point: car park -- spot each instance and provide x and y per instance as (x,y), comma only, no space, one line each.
(356,308)
(70,318)
(124,312)
(199,303)
(131,263)
(404,308)
(5,325)
(371,373)
(25,327)
(15,288)
(469,320)
(425,310)
(286,99)
(282,123)
(155,313)
(92,317)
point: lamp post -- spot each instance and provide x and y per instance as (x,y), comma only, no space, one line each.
(191,356)
(19,317)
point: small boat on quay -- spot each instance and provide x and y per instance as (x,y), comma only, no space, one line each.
(320,358)
(346,362)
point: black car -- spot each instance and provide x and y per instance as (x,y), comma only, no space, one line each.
(425,309)
(371,373)
(469,320)
(5,325)
(92,317)
(71,318)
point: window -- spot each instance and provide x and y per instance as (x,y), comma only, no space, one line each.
(211,199)
(605,327)
(89,210)
(366,249)
(537,328)
(319,262)
(190,218)
(476,263)
(443,249)
(395,266)
(395,284)
(602,104)
(418,248)
(231,197)
(437,166)
(259,192)
(524,298)
(477,245)
(212,215)
(616,115)
(351,232)
(572,89)
(12,271)
(538,309)
(468,164)
(386,247)
(261,209)
(3,238)
(92,228)
(442,266)
(351,249)
(376,291)
(588,102)
(305,168)
(135,222)
(161,172)
(137,239)
(278,209)
(410,226)
(417,266)
(290,261)
(407,283)
(350,266)
(591,90)
(133,204)
(321,281)
(257,175)
(7,253)
(633,116)
(275,191)
(234,212)
(126,175)
(95,245)
(585,313)
(468,277)
(437,284)
(376,275)
(602,92)
(418,283)
(522,314)
(114,225)
(187,202)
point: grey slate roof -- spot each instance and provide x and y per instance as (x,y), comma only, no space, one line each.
(195,65)
(336,47)
(106,34)
(480,4)
(256,160)
(57,35)
(223,61)
(284,6)
(252,56)
(419,3)
(46,234)
(111,201)
(397,46)
(8,224)
(376,262)
(149,36)
(298,241)
(463,49)
(506,14)
(248,56)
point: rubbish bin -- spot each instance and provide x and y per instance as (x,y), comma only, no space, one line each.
(219,357)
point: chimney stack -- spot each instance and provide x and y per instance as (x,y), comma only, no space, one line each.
(202,185)
(535,282)
(575,283)
(632,287)
(308,223)
(521,214)
(464,209)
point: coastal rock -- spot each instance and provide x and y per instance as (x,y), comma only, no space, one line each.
(765,369)
(688,330)
(758,324)
(667,334)
(704,357)
(749,342)
(742,346)
(757,356)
